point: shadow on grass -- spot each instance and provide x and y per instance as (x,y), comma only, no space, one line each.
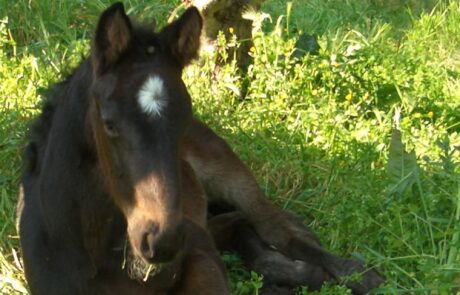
(293,171)
(320,17)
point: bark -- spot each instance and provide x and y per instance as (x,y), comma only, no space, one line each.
(221,15)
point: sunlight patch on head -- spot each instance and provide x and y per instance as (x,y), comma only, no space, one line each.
(151,96)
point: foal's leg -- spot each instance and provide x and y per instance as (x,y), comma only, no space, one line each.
(281,273)
(226,179)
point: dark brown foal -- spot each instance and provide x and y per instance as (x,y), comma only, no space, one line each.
(107,204)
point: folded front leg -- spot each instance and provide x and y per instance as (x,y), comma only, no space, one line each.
(281,274)
(227,180)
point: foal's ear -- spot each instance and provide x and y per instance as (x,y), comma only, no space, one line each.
(113,37)
(183,36)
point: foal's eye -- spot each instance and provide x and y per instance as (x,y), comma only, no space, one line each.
(110,128)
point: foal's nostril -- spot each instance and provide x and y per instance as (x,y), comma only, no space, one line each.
(148,241)
(147,245)
(159,247)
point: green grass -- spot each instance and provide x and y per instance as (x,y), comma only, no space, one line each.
(316,131)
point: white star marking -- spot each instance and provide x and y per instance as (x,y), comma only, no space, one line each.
(151,96)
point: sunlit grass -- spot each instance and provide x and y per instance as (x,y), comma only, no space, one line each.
(316,131)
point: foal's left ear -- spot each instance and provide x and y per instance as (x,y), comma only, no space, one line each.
(183,36)
(113,37)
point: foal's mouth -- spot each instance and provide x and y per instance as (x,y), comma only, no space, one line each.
(139,269)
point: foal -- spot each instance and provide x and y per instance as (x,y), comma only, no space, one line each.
(113,178)
(108,206)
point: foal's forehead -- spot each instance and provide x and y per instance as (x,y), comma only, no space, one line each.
(151,96)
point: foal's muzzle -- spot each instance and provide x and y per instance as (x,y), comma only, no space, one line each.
(156,246)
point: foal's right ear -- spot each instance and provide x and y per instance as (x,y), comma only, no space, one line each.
(183,36)
(112,39)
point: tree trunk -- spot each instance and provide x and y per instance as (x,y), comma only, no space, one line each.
(221,15)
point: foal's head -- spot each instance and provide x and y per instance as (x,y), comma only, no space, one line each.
(140,110)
